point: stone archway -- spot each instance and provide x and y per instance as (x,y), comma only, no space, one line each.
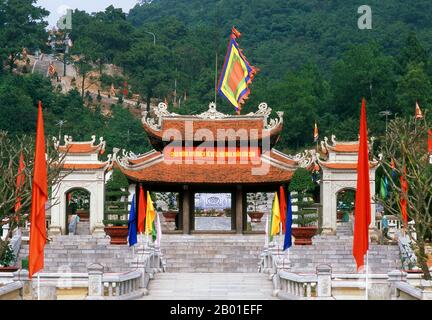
(78,202)
(345,201)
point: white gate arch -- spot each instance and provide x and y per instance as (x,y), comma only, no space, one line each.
(338,162)
(82,169)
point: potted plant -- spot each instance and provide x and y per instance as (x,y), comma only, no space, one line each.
(117,230)
(7,259)
(301,186)
(116,208)
(170,200)
(255,201)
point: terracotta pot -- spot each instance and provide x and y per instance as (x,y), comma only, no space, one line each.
(9,269)
(118,234)
(339,215)
(255,216)
(169,216)
(303,235)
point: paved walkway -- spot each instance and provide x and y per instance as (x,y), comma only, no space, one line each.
(210,286)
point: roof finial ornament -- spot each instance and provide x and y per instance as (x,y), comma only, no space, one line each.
(333,139)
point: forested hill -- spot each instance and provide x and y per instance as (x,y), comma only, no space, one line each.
(282,35)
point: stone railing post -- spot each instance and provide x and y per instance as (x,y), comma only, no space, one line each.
(95,287)
(393,277)
(5,230)
(324,281)
(426,287)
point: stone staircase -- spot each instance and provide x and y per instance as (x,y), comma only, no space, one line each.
(336,251)
(83,227)
(74,253)
(209,286)
(212,253)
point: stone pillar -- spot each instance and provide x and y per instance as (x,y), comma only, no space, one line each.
(44,290)
(324,281)
(5,229)
(327,206)
(393,277)
(95,285)
(186,210)
(97,206)
(239,209)
(55,227)
(426,288)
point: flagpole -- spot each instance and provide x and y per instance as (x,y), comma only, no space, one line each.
(216,72)
(367,276)
(38,286)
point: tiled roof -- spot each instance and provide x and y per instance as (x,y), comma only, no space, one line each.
(344,166)
(79,148)
(348,148)
(152,168)
(206,173)
(84,166)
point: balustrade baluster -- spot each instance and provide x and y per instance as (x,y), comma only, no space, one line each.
(309,290)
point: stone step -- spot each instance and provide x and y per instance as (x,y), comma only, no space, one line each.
(209,286)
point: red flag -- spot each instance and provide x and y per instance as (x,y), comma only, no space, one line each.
(39,198)
(430,141)
(282,207)
(141,210)
(362,213)
(69,197)
(19,182)
(125,90)
(403,200)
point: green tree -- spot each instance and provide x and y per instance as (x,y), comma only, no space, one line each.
(150,69)
(406,145)
(21,26)
(302,185)
(414,86)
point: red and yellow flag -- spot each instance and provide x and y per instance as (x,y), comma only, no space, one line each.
(150,215)
(39,198)
(236,74)
(316,135)
(418,112)
(141,210)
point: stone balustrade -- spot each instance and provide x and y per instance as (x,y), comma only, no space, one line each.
(122,286)
(294,286)
(11,291)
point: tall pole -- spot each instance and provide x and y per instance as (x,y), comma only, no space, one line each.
(216,73)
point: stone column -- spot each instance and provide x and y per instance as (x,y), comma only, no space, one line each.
(55,227)
(324,281)
(393,277)
(239,209)
(186,210)
(95,285)
(97,206)
(327,208)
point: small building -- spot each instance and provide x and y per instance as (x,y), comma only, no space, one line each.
(81,170)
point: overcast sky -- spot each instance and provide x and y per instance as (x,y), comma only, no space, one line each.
(57,6)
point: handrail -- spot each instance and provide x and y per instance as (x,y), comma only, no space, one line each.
(408,289)
(295,286)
